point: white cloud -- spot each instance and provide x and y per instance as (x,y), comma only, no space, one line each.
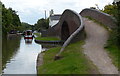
(31,10)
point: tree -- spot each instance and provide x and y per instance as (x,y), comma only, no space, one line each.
(92,8)
(10,19)
(114,10)
(25,26)
(117,15)
(42,24)
(110,9)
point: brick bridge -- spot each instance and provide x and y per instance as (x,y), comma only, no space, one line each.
(70,21)
(70,28)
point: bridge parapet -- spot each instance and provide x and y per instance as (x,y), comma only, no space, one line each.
(101,17)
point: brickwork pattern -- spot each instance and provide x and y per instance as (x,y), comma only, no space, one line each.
(101,17)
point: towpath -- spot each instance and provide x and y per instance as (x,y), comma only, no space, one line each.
(94,47)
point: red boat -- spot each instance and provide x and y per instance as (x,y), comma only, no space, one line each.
(28,36)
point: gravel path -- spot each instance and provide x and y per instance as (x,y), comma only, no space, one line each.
(94,47)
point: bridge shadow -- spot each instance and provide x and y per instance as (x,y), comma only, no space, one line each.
(65,31)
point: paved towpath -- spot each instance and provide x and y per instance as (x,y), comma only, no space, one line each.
(94,47)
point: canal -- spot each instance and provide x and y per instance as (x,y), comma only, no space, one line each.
(19,57)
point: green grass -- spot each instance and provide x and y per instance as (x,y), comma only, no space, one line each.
(73,61)
(45,38)
(114,53)
(37,34)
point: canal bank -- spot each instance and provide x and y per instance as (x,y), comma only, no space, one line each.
(72,61)
(47,43)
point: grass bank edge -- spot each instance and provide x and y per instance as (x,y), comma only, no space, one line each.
(73,61)
(45,38)
(114,52)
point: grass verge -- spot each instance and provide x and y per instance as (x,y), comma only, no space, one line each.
(114,54)
(73,61)
(37,34)
(45,38)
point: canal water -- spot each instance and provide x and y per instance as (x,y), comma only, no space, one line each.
(19,57)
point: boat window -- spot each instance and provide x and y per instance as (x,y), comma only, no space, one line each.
(29,33)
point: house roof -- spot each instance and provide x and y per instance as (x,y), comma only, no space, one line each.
(55,17)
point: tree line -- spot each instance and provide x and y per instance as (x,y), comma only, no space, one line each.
(11,21)
(114,10)
(42,24)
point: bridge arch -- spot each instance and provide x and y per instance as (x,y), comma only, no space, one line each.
(69,23)
(65,31)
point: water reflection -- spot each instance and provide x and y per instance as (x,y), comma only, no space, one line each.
(10,46)
(19,57)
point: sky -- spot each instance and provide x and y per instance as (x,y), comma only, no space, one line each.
(31,10)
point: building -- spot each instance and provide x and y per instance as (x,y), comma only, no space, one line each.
(54,18)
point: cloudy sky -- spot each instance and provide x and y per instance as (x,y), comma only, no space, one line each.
(31,10)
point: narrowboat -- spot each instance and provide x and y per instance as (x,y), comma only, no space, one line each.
(28,36)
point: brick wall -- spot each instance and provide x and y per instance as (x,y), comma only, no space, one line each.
(72,20)
(104,18)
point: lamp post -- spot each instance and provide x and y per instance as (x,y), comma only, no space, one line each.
(45,14)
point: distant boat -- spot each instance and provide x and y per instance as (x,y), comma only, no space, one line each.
(28,36)
(13,32)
